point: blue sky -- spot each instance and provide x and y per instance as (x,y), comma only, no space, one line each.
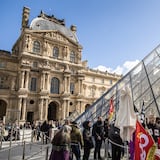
(113,33)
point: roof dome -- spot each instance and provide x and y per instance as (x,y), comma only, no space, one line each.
(40,23)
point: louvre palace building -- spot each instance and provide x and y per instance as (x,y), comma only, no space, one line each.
(44,77)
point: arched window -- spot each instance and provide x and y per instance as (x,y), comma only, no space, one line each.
(55,85)
(72,57)
(55,52)
(36,47)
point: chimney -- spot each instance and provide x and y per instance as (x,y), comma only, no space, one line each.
(25,17)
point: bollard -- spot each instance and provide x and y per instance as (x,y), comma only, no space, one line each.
(47,152)
(23,136)
(1,138)
(10,144)
(127,151)
(106,148)
(24,146)
(31,140)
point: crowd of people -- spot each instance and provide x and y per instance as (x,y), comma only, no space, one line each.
(70,139)
(40,131)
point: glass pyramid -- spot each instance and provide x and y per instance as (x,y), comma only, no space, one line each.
(144,83)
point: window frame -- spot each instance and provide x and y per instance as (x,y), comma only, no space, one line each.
(55,85)
(36,47)
(55,52)
(33,84)
(72,57)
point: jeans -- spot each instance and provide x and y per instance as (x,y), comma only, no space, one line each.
(76,151)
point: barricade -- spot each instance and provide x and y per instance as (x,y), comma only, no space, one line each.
(26,140)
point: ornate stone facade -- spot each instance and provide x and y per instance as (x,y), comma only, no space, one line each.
(44,78)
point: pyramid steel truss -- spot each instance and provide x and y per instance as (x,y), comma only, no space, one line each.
(144,83)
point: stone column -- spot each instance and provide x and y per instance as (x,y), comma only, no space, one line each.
(84,89)
(79,86)
(68,84)
(46,110)
(26,79)
(24,109)
(78,106)
(48,82)
(41,109)
(65,84)
(43,83)
(64,110)
(20,108)
(22,79)
(67,108)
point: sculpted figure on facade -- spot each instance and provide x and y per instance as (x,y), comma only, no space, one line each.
(26,62)
(13,83)
(65,52)
(79,54)
(46,64)
(27,42)
(47,49)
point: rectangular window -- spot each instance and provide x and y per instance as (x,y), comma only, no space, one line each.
(2,64)
(35,64)
(72,88)
(33,86)
(3,82)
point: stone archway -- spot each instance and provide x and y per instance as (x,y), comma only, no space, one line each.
(52,111)
(3,107)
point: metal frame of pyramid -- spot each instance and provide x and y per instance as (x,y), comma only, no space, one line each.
(144,83)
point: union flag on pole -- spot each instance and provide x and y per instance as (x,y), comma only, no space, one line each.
(144,144)
(111,109)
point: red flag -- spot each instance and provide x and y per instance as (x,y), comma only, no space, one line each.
(111,109)
(144,144)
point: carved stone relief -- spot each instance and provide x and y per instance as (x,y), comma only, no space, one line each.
(26,62)
(56,35)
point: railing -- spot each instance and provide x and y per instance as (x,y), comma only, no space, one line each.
(26,147)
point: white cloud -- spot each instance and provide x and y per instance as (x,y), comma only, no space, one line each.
(126,67)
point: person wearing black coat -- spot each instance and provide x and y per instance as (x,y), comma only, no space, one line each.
(116,141)
(45,132)
(98,134)
(87,139)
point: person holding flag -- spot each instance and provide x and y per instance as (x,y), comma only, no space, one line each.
(144,146)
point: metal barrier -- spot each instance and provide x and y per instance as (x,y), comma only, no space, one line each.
(25,141)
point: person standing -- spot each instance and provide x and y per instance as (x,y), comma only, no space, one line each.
(45,132)
(153,127)
(98,134)
(87,138)
(116,142)
(76,141)
(61,145)
(106,141)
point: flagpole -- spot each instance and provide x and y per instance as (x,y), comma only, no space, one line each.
(127,151)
